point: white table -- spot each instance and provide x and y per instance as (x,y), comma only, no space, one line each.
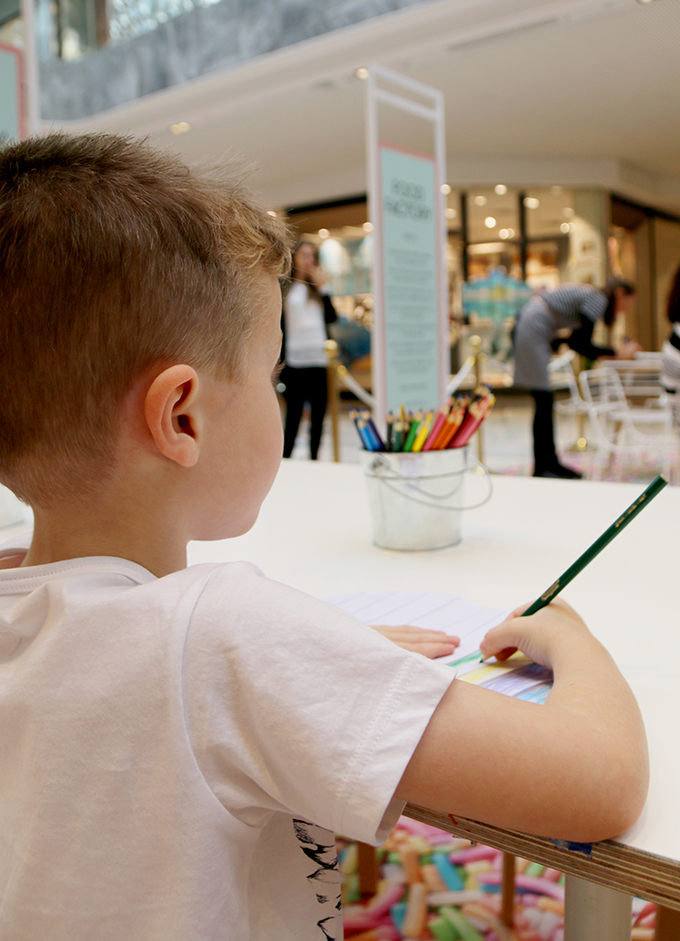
(314,533)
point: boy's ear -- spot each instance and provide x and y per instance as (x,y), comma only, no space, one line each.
(172,416)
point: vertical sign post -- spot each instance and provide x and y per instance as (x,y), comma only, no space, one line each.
(12,111)
(406,208)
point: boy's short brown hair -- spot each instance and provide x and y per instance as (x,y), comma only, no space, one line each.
(113,257)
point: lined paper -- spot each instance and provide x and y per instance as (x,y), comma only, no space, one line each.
(440,611)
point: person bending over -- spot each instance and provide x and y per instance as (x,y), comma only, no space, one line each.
(577,307)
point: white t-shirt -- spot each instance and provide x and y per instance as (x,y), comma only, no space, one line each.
(176,753)
(305,328)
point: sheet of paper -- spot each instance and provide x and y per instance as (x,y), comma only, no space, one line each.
(443,612)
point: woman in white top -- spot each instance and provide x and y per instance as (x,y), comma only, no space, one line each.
(307,312)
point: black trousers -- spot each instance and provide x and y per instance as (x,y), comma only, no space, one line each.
(308,384)
(545,456)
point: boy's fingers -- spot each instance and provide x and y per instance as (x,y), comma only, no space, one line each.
(416,634)
(430,649)
(500,641)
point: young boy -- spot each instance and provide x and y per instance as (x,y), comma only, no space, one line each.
(178,745)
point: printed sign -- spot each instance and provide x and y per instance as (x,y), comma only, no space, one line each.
(11,94)
(411,247)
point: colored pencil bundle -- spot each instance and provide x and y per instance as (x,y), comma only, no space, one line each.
(411,432)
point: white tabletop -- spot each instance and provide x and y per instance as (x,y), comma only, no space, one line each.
(314,533)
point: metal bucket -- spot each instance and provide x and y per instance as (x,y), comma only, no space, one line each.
(416,500)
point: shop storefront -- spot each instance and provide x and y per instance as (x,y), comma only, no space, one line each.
(503,244)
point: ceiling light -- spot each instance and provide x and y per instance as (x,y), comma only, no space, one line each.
(490,222)
(564,227)
(531,202)
(500,190)
(568,212)
(180,128)
(445,188)
(361,73)
(451,213)
(504,233)
(556,190)
(323,233)
(367,226)
(480,200)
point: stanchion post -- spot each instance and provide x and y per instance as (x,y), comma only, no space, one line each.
(331,348)
(476,344)
(581,442)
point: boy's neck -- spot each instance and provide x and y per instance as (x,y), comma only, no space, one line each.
(126,532)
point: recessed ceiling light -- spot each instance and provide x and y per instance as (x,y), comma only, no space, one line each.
(568,212)
(323,233)
(480,200)
(500,190)
(565,227)
(445,188)
(367,226)
(451,213)
(531,202)
(180,128)
(361,73)
(490,222)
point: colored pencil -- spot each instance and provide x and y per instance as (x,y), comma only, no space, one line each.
(422,434)
(389,430)
(366,415)
(654,488)
(398,434)
(413,431)
(436,428)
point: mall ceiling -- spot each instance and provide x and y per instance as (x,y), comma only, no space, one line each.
(547,88)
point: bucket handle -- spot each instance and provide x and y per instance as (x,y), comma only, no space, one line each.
(380,464)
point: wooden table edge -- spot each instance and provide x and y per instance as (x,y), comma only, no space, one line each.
(608,863)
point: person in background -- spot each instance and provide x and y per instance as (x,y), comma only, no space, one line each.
(307,313)
(670,351)
(577,307)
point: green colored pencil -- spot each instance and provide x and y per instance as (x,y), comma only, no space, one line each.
(655,487)
(413,431)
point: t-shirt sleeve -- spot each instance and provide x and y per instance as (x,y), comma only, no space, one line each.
(294,706)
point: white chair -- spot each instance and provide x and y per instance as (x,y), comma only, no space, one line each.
(562,376)
(641,378)
(617,427)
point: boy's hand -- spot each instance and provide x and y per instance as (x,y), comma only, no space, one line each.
(536,635)
(428,643)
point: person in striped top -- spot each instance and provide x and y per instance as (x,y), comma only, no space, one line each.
(577,307)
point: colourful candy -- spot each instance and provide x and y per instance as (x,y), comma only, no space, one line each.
(434,887)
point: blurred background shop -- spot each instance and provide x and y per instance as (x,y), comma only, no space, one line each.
(562,138)
(503,244)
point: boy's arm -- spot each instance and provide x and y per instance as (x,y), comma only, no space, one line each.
(575,768)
